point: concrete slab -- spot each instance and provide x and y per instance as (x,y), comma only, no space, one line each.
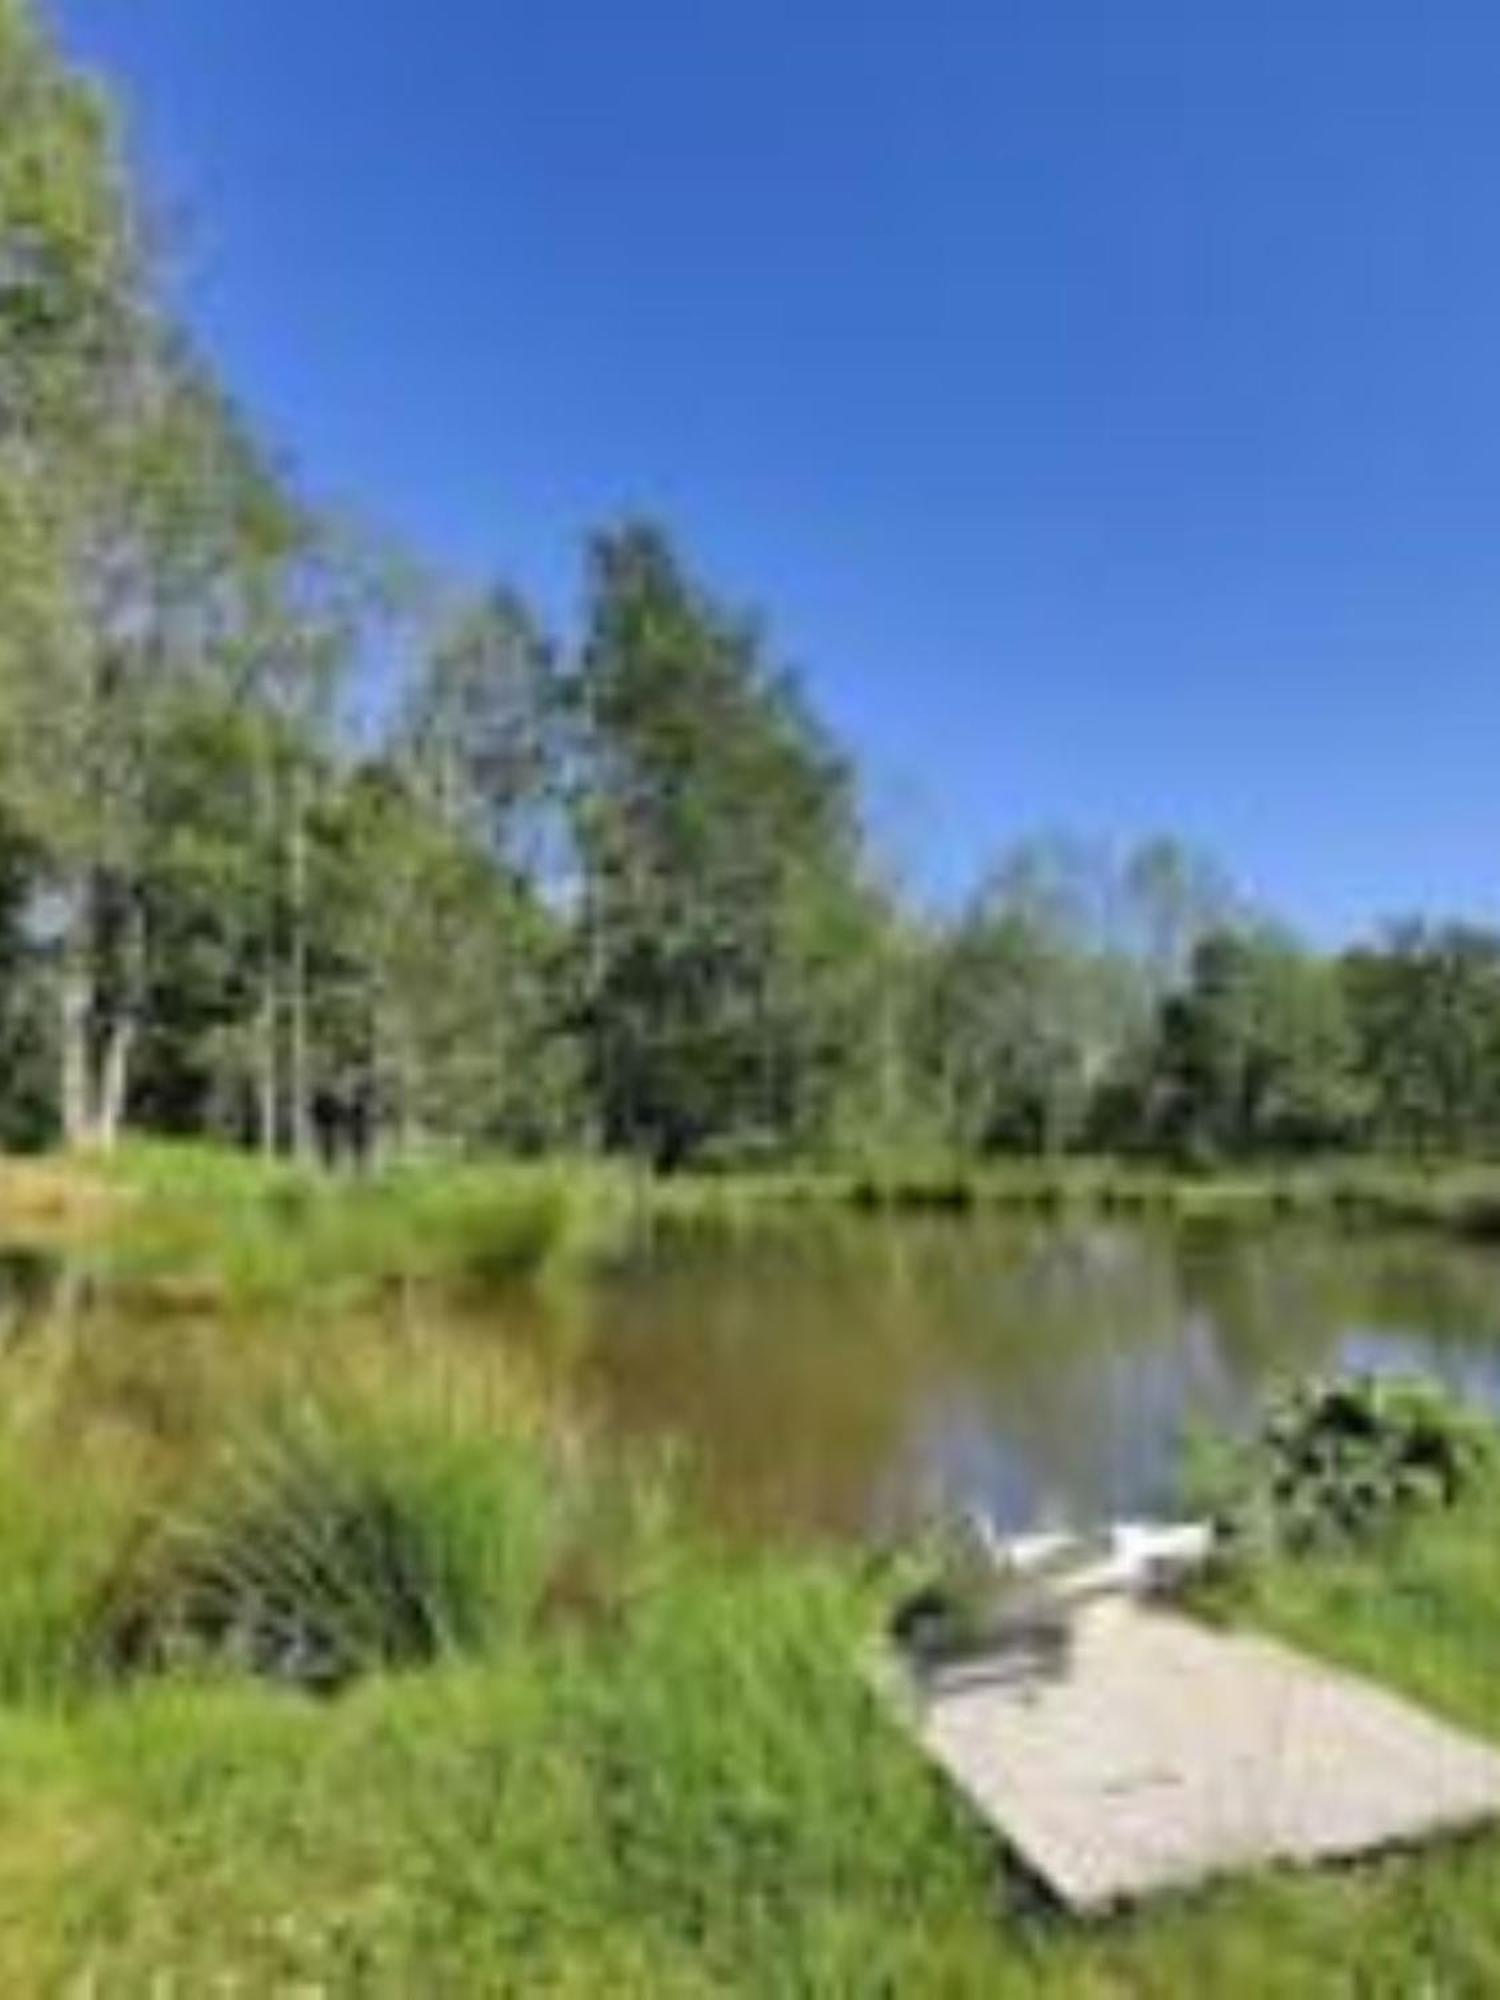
(1149,1752)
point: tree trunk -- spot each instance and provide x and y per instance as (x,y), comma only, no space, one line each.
(112,1091)
(76,994)
(298,1065)
(77,1006)
(114,1082)
(266,1066)
(267,1136)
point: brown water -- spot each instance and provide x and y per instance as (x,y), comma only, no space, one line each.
(848,1378)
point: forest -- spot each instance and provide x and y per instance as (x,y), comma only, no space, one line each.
(306,848)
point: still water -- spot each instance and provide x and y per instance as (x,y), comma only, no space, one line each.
(848,1378)
(844,1380)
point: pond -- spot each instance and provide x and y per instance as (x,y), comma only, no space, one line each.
(847,1379)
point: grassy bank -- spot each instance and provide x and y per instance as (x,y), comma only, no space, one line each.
(574,1749)
(1458,1199)
(344,1660)
(194,1224)
(328,1670)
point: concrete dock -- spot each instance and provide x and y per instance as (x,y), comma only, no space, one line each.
(1147,1751)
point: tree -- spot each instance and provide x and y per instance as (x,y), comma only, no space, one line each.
(72,351)
(1172,897)
(1425,1006)
(720,890)
(480,733)
(1033,1001)
(27,1059)
(1255,1055)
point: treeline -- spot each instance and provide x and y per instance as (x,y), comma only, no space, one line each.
(301,849)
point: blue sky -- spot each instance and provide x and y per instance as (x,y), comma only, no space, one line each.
(1103,401)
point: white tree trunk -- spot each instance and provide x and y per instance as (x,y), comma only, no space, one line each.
(298,1051)
(266,1079)
(114,1083)
(76,1001)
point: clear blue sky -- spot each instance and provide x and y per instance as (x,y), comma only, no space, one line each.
(1103,400)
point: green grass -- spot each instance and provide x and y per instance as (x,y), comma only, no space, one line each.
(699,1798)
(707,1804)
(1422,1612)
(320,1549)
(1456,1198)
(610,1759)
(193,1225)
(203,1225)
(574,1748)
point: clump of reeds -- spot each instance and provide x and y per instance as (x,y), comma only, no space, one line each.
(327,1542)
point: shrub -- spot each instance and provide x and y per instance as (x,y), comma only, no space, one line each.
(324,1546)
(1342,1462)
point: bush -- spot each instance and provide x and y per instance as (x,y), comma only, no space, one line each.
(1341,1463)
(325,1546)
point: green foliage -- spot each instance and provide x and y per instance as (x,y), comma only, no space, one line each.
(327,1544)
(1425,1007)
(1344,1463)
(66,249)
(253,1233)
(721,898)
(1255,1055)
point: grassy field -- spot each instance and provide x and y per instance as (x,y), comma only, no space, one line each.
(337,1660)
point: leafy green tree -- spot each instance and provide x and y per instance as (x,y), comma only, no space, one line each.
(1255,1055)
(443,1005)
(1425,1005)
(1171,897)
(206,913)
(480,733)
(456,842)
(720,892)
(1034,1001)
(72,390)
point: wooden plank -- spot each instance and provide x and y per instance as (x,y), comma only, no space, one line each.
(1152,1752)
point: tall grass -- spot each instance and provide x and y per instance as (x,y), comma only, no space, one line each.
(202,1225)
(311,1506)
(321,1548)
(59,1542)
(574,1749)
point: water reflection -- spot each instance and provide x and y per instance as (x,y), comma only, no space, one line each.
(849,1377)
(853,1377)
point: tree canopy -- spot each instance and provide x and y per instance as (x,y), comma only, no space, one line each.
(306,849)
